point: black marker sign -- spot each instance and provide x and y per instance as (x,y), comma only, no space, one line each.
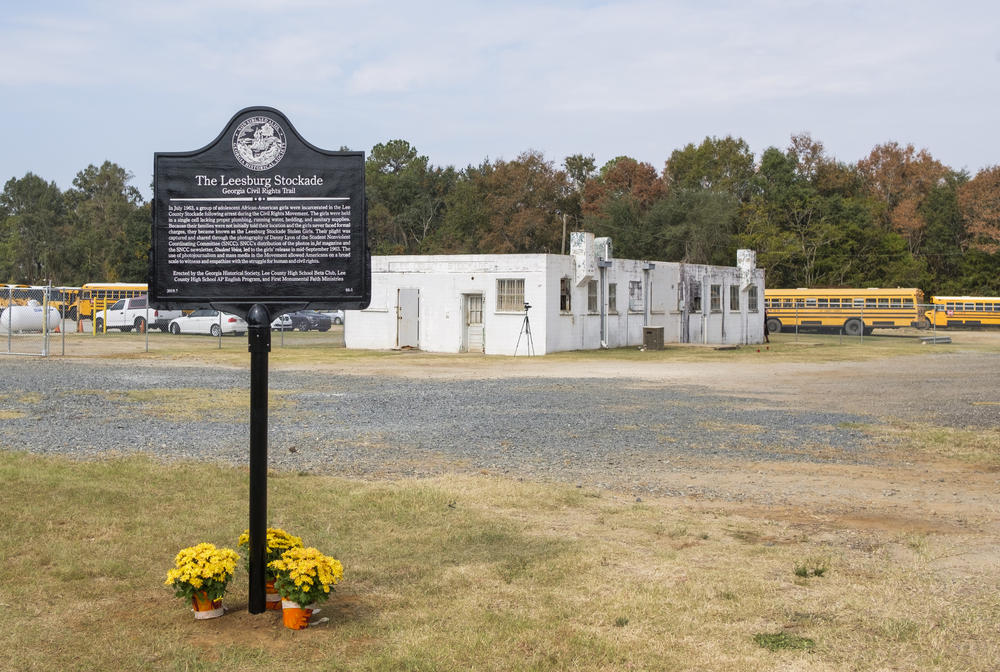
(260,216)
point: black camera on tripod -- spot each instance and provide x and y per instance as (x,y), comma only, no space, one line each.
(526,306)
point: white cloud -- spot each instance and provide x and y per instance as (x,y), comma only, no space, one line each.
(465,80)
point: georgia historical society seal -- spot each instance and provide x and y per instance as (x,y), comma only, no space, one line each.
(259,143)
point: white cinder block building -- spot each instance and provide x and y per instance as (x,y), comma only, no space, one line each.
(581,301)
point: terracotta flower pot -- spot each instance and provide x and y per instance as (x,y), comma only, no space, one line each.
(271,596)
(295,616)
(206,608)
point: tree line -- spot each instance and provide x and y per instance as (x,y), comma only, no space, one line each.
(897,217)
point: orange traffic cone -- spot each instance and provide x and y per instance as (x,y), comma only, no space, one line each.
(57,329)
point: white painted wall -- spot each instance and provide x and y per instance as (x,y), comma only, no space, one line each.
(442,281)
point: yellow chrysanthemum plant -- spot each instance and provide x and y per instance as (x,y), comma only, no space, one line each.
(278,541)
(306,576)
(202,569)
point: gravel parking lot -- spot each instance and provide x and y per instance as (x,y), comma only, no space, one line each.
(753,431)
(597,430)
(623,425)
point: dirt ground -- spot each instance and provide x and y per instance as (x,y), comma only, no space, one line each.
(900,493)
(898,489)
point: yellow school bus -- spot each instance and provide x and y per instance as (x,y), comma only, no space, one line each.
(855,311)
(64,300)
(100,295)
(16,295)
(964,311)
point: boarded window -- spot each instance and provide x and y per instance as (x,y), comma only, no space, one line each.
(635,296)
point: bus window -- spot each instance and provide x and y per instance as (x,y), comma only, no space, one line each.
(799,303)
(895,303)
(787,303)
(811,302)
(859,302)
(907,303)
(979,307)
(970,306)
(883,303)
(870,302)
(822,303)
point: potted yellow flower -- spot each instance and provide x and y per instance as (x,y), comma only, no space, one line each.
(201,574)
(304,576)
(278,541)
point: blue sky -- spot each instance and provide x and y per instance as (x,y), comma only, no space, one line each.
(89,81)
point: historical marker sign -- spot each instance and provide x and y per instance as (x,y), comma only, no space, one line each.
(259,222)
(260,216)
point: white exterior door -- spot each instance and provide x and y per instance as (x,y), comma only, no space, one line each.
(473,309)
(408,318)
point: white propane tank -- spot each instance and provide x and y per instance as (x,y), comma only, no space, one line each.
(27,318)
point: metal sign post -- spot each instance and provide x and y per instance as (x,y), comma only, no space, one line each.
(259,334)
(259,223)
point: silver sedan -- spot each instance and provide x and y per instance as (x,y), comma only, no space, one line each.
(208,321)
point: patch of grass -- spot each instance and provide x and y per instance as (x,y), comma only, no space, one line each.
(812,567)
(804,347)
(777,641)
(900,629)
(193,403)
(450,573)
(980,446)
(311,348)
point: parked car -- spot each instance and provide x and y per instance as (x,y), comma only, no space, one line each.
(306,320)
(208,321)
(303,320)
(132,313)
(336,316)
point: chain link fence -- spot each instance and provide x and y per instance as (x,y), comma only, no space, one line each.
(30,317)
(43,321)
(856,329)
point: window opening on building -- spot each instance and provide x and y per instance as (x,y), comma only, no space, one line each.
(694,292)
(612,297)
(592,296)
(752,298)
(734,297)
(565,295)
(715,298)
(510,294)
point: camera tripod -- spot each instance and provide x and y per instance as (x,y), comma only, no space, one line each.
(525,331)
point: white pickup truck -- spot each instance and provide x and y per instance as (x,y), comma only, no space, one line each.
(129,314)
